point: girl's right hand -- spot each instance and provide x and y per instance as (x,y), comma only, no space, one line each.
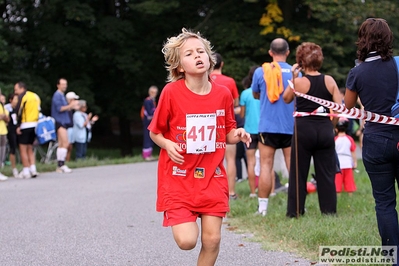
(174,152)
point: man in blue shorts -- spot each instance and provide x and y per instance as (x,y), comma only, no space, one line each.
(276,117)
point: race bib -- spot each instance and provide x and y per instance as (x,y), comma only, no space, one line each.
(201,133)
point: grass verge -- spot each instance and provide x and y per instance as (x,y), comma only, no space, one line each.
(354,225)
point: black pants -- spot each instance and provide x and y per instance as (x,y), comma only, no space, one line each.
(240,154)
(315,138)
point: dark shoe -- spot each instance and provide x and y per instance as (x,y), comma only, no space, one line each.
(233,197)
(282,188)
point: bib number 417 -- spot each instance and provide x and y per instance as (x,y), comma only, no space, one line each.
(201,133)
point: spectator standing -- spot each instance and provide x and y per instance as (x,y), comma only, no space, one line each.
(60,111)
(192,179)
(28,109)
(70,96)
(276,123)
(12,134)
(231,149)
(314,134)
(3,99)
(240,153)
(92,120)
(375,81)
(345,147)
(147,112)
(278,185)
(4,118)
(82,123)
(250,111)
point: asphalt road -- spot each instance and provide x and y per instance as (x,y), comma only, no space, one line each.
(104,216)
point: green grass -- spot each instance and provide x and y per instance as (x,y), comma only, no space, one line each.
(354,225)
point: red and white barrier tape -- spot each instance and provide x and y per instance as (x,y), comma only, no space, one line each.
(350,113)
(301,114)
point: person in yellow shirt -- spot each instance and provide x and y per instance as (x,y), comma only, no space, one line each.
(28,109)
(4,118)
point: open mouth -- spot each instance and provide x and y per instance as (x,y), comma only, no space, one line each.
(199,63)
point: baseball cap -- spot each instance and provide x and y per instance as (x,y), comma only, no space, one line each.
(72,95)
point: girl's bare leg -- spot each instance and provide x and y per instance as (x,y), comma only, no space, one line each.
(210,237)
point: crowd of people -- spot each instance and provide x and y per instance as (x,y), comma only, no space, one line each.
(192,179)
(19,118)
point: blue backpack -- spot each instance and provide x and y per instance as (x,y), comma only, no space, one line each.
(45,129)
(395,107)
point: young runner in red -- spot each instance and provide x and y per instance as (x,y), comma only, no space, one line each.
(192,124)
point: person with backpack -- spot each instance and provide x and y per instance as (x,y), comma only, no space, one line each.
(28,109)
(147,112)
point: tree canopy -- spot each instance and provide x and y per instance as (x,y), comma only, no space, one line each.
(110,50)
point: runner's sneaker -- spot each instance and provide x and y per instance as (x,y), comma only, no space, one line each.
(3,177)
(34,174)
(15,172)
(233,197)
(63,169)
(23,175)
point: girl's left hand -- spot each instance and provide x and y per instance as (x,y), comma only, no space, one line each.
(243,135)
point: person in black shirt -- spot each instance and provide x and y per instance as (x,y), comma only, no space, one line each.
(375,82)
(313,134)
(12,134)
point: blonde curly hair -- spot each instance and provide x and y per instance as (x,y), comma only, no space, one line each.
(171,51)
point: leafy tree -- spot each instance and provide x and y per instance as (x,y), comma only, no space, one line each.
(110,50)
(331,24)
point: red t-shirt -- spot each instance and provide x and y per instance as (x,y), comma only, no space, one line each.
(200,184)
(226,81)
